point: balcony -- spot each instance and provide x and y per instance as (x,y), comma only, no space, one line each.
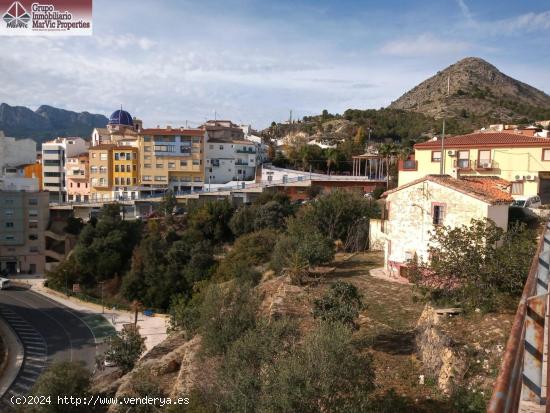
(463,164)
(241,163)
(408,165)
(485,165)
(251,151)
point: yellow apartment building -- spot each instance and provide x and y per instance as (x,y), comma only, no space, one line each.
(101,172)
(172,158)
(523,160)
(125,165)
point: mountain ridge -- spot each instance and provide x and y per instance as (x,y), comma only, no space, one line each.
(47,122)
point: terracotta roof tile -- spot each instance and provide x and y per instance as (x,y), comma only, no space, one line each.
(492,190)
(498,139)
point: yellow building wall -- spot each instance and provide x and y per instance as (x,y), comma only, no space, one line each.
(510,164)
(120,166)
(98,191)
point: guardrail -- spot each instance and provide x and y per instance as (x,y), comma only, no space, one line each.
(522,376)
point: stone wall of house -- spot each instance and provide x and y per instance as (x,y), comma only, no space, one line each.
(442,360)
(377,238)
(411,222)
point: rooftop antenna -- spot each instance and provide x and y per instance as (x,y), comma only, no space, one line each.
(442,157)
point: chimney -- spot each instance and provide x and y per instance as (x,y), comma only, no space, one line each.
(168,127)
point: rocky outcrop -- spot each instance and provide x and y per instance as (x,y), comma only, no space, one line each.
(442,359)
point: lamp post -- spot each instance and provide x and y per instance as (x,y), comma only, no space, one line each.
(102,304)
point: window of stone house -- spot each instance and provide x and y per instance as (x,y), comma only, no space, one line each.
(438,213)
(546,154)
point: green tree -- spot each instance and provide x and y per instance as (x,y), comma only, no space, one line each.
(226,312)
(475,265)
(168,204)
(62,379)
(125,348)
(325,374)
(342,303)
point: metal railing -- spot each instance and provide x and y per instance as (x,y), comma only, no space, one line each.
(523,374)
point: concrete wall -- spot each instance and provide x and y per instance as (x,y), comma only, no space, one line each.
(377,237)
(230,161)
(14,152)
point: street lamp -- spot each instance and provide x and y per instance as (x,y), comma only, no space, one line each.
(102,304)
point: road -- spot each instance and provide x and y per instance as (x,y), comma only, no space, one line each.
(49,331)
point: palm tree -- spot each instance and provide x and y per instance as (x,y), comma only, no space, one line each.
(332,159)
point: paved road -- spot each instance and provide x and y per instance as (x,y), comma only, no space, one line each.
(49,332)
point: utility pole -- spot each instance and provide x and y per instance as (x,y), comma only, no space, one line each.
(442,158)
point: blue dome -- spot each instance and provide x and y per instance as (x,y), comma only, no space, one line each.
(121,117)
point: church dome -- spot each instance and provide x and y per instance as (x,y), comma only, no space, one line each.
(121,117)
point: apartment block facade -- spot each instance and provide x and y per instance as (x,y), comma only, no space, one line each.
(171,158)
(54,159)
(230,160)
(101,172)
(522,160)
(77,171)
(24,218)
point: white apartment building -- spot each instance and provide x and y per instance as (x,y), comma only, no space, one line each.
(15,152)
(229,160)
(54,159)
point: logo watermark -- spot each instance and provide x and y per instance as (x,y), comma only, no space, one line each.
(50,18)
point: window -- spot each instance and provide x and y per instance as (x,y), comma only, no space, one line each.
(33,201)
(221,147)
(9,237)
(51,162)
(33,237)
(171,165)
(436,156)
(186,178)
(196,162)
(147,165)
(159,165)
(33,224)
(103,156)
(102,169)
(9,224)
(147,149)
(438,213)
(463,159)
(33,213)
(8,212)
(93,169)
(33,248)
(160,178)
(211,146)
(116,156)
(517,188)
(117,168)
(52,151)
(117,181)
(196,139)
(147,177)
(546,154)
(93,154)
(197,179)
(146,139)
(147,158)
(134,168)
(183,163)
(484,159)
(52,174)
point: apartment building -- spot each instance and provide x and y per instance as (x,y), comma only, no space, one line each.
(101,172)
(125,164)
(54,159)
(24,218)
(15,152)
(77,172)
(230,160)
(171,158)
(222,129)
(516,157)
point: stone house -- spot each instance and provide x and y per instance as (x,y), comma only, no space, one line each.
(413,210)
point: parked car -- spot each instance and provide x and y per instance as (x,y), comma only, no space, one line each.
(528,202)
(4,283)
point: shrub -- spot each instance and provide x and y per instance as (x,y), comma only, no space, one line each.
(125,348)
(342,303)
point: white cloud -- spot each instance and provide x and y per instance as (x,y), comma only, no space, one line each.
(423,45)
(465,11)
(526,22)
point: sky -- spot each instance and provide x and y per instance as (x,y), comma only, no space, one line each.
(251,61)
